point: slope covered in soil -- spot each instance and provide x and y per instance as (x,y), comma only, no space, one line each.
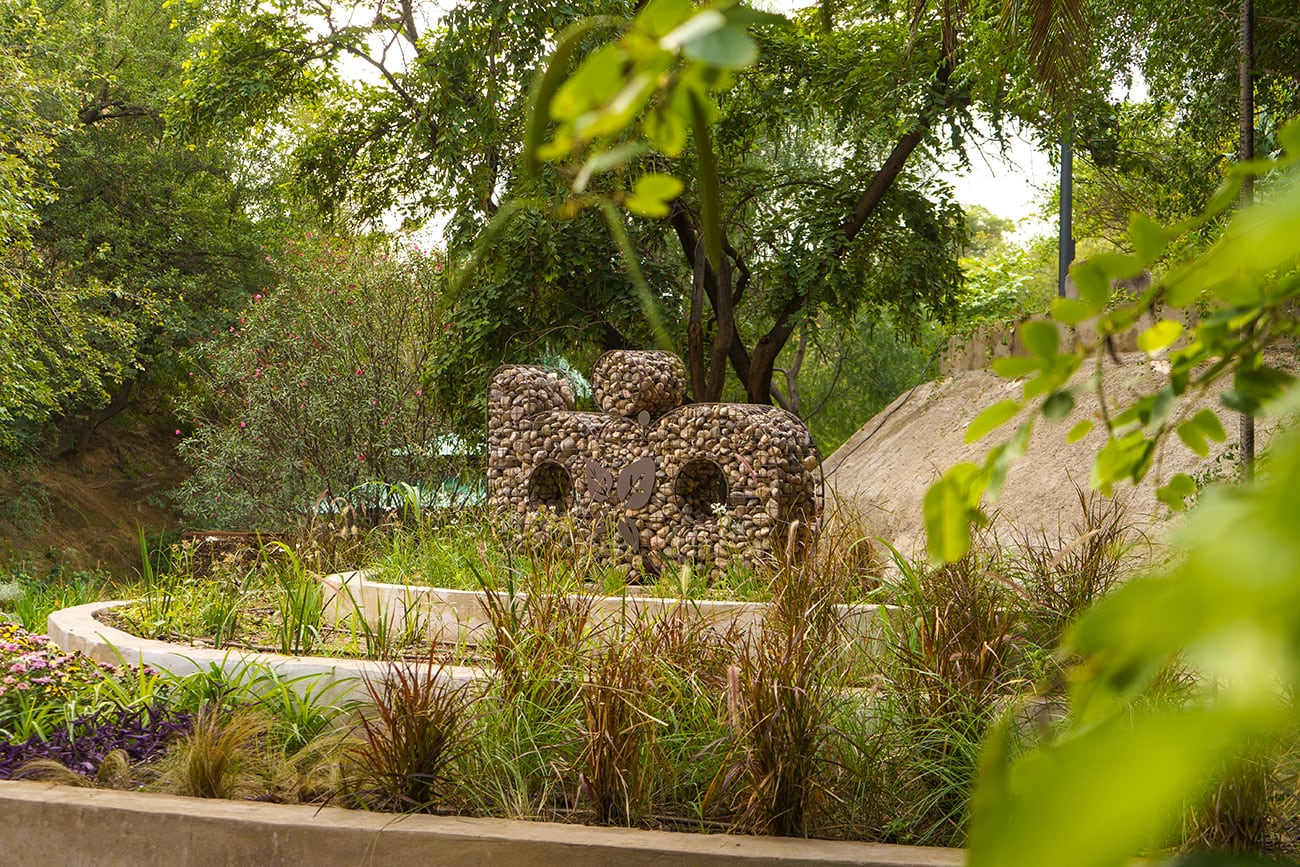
(85,511)
(883,470)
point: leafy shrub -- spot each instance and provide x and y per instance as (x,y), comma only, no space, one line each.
(142,733)
(314,394)
(1010,282)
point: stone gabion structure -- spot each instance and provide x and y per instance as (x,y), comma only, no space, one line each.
(705,484)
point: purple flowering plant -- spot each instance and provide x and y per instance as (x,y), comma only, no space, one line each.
(42,687)
(143,733)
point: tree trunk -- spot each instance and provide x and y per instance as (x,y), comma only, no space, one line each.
(1246,119)
(707,280)
(755,370)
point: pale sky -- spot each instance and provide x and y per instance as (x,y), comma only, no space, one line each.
(1014,184)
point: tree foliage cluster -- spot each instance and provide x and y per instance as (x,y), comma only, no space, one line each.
(120,243)
(820,209)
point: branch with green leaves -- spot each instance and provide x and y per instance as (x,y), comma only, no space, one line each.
(1246,284)
(643,92)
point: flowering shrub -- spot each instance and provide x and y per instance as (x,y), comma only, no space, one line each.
(35,672)
(315,390)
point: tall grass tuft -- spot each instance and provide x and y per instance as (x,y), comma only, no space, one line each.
(781,700)
(220,758)
(1058,578)
(953,655)
(407,744)
(300,602)
(618,732)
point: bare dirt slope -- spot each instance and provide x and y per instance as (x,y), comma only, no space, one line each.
(884,469)
(85,511)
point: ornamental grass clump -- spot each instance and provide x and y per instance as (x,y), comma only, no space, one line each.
(1057,579)
(954,655)
(618,733)
(223,756)
(406,744)
(781,700)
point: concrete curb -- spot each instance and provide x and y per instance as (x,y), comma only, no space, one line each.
(331,678)
(60,825)
(455,616)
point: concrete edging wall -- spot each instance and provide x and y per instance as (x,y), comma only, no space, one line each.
(62,826)
(457,616)
(332,678)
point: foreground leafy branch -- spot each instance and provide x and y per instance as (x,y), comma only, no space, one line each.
(1124,770)
(1246,282)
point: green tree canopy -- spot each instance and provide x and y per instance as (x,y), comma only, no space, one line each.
(823,203)
(124,244)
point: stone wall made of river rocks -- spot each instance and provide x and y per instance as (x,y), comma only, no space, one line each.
(661,483)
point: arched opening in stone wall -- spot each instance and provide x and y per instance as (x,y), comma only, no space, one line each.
(550,486)
(700,489)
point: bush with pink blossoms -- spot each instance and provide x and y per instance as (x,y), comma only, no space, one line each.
(314,392)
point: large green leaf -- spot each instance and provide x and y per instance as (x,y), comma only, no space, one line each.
(991,418)
(949,506)
(1160,336)
(1040,337)
(652,194)
(1095,799)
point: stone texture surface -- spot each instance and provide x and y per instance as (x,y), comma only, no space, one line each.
(702,484)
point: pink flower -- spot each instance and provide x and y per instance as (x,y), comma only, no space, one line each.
(374,403)
(419,393)
(178,431)
(360,372)
(243,424)
(361,457)
(257,297)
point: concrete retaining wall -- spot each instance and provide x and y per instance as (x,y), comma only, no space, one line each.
(60,826)
(458,616)
(331,678)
